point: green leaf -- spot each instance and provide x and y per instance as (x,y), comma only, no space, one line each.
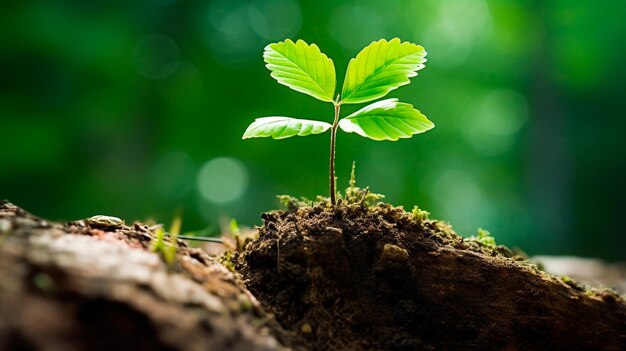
(302,67)
(380,68)
(386,120)
(283,127)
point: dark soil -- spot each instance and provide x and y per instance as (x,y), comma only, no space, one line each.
(357,277)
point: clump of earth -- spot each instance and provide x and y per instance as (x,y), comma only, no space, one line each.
(358,276)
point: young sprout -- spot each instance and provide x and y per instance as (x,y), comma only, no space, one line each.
(378,69)
(484,237)
(166,250)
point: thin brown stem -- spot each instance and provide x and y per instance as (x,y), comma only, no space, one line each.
(333,138)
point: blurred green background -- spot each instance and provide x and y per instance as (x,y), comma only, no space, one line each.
(136,109)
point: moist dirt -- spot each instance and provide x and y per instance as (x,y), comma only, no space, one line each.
(359,277)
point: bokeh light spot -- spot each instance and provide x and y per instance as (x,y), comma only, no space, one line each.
(459,26)
(460,199)
(274,19)
(222,180)
(346,26)
(238,30)
(495,120)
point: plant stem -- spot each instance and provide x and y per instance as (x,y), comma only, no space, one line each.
(333,138)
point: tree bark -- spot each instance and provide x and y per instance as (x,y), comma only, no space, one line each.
(73,286)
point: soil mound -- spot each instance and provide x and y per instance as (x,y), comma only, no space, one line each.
(359,277)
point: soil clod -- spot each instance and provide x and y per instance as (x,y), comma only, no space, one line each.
(378,278)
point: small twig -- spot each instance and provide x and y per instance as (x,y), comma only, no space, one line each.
(278,236)
(278,254)
(367,190)
(195,238)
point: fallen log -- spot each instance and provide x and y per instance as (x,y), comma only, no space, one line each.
(90,286)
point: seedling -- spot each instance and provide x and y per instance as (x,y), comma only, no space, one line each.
(378,69)
(166,250)
(484,238)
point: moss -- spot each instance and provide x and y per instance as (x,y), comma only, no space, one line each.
(361,200)
(419,214)
(573,284)
(292,203)
(44,282)
(484,238)
(245,304)
(354,195)
(227,260)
